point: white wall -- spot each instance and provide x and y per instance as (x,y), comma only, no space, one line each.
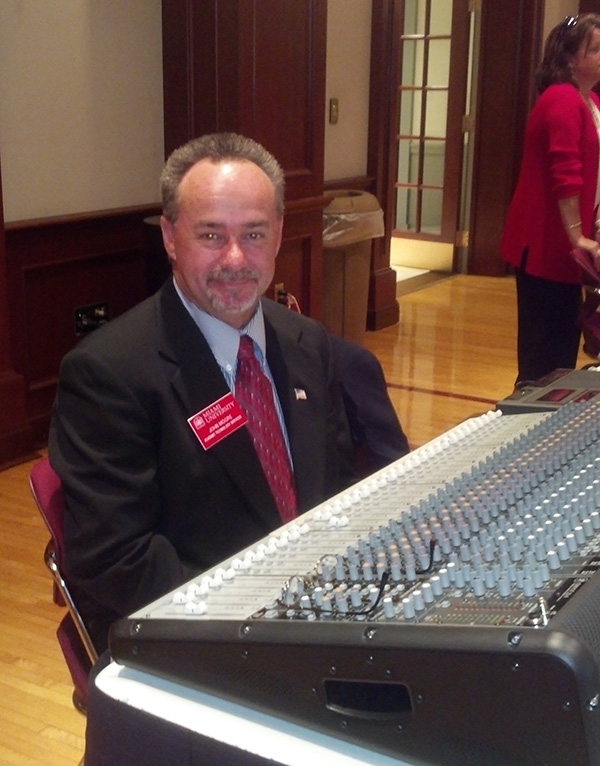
(348,68)
(81,116)
(81,100)
(81,110)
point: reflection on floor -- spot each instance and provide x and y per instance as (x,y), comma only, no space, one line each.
(409,279)
(453,353)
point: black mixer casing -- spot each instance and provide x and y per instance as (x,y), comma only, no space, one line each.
(445,610)
(447,695)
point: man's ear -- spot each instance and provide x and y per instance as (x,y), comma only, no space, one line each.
(168,235)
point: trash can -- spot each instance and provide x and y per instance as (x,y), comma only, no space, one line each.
(350,221)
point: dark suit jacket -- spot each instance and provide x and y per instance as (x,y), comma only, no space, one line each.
(377,435)
(146,507)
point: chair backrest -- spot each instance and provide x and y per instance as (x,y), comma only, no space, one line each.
(47,492)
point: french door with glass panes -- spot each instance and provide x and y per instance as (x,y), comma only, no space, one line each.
(432,41)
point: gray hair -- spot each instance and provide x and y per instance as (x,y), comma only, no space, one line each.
(217,147)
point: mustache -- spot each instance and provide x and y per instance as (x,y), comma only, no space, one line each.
(229,275)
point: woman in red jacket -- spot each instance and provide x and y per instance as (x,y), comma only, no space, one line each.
(553,209)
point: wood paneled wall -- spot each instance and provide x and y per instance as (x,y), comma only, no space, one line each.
(257,67)
(252,66)
(56,266)
(16,439)
(589,6)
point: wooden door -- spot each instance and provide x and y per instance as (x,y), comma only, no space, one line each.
(509,50)
(257,67)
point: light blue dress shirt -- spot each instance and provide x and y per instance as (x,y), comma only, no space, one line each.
(224,342)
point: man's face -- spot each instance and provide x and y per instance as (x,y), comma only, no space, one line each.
(226,238)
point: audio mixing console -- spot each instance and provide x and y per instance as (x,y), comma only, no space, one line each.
(446,608)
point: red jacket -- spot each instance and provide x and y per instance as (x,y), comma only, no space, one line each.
(560,159)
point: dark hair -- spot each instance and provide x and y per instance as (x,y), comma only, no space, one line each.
(562,44)
(217,147)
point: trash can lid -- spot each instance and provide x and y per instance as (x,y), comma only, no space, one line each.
(351,216)
(351,201)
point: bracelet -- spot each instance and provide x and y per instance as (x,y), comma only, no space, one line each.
(574,225)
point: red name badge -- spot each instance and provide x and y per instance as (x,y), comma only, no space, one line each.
(218,420)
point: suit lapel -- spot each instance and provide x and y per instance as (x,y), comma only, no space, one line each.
(198,382)
(287,357)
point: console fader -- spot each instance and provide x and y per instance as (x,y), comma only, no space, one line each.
(445,609)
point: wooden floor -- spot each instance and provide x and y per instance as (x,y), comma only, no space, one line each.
(451,356)
(38,724)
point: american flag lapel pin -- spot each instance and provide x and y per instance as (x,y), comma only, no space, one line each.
(300,394)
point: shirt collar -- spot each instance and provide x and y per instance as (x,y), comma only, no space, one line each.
(223,339)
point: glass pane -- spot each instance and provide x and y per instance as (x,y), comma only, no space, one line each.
(441,17)
(408,161)
(401,208)
(431,211)
(412,62)
(414,17)
(409,123)
(437,110)
(438,63)
(406,209)
(433,163)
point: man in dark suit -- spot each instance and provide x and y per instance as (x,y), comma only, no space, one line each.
(151,499)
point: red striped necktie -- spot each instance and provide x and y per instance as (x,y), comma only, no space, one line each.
(254,392)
